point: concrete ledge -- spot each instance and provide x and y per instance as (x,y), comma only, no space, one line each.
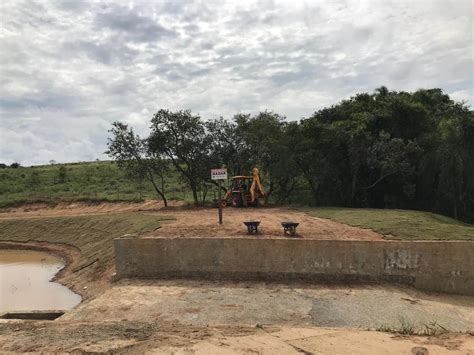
(32,315)
(433,266)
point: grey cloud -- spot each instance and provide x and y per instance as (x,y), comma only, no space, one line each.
(94,51)
(72,6)
(45,100)
(363,33)
(132,25)
(70,68)
(192,12)
(107,52)
(176,71)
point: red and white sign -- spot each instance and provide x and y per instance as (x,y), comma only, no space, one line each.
(218,174)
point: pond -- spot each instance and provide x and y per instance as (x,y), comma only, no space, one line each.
(25,282)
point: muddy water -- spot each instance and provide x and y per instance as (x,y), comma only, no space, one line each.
(25,282)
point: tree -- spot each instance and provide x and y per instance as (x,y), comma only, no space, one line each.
(182,138)
(389,157)
(383,149)
(15,165)
(284,170)
(453,161)
(262,145)
(229,146)
(133,155)
(309,142)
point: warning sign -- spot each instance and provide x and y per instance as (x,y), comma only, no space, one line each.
(218,174)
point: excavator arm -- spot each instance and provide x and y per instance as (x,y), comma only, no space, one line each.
(257,187)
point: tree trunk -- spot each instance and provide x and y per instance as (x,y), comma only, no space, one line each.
(377,181)
(162,184)
(353,189)
(195,193)
(204,195)
(455,190)
(269,192)
(314,188)
(157,189)
(162,195)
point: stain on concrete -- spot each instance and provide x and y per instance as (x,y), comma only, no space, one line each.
(401,259)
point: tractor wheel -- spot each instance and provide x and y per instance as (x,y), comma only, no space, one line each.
(238,201)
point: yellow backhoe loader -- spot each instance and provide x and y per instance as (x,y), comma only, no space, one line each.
(244,191)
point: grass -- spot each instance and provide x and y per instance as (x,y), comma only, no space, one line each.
(99,181)
(399,224)
(407,327)
(92,234)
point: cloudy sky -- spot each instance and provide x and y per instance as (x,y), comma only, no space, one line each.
(70,68)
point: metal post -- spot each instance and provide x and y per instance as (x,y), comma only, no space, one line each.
(219,201)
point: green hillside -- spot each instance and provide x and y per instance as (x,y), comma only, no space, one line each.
(399,224)
(101,181)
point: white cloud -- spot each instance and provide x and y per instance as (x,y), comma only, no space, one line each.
(70,68)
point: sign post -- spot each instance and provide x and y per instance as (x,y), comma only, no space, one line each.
(220,201)
(219,175)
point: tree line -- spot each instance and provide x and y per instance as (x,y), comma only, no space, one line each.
(385,149)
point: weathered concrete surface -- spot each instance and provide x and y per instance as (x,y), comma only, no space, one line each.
(434,266)
(200,303)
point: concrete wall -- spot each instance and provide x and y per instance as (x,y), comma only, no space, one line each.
(435,266)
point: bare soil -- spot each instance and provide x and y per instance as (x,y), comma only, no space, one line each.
(81,208)
(172,338)
(202,222)
(196,223)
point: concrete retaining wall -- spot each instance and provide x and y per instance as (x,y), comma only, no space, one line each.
(435,266)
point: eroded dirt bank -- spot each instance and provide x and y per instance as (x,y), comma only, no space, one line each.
(82,208)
